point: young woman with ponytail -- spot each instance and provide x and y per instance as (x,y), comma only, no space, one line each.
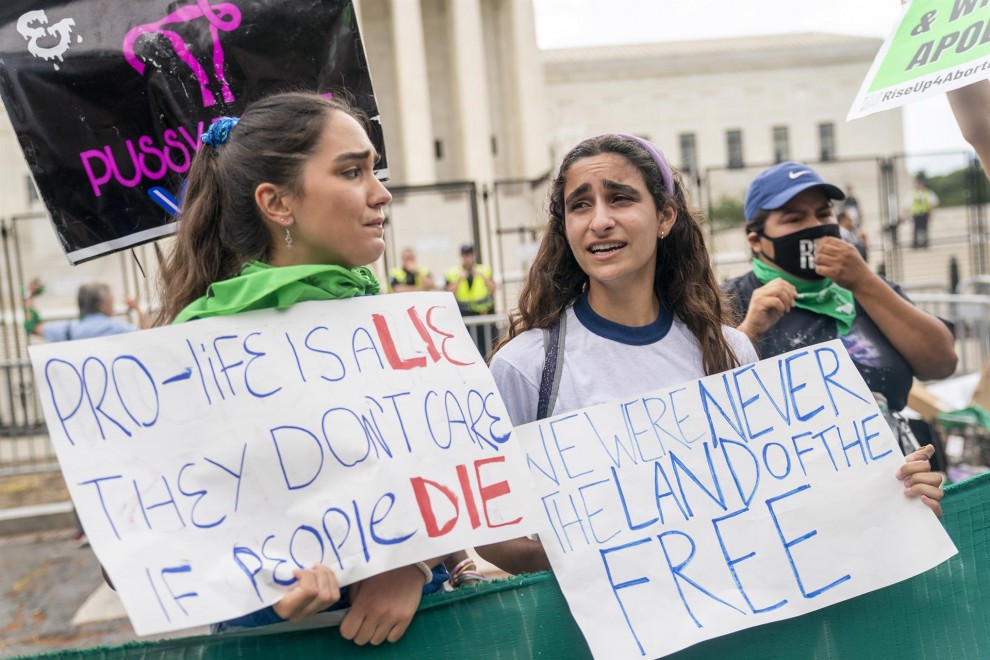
(283,206)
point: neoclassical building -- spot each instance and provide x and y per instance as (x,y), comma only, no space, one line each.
(725,102)
(460,88)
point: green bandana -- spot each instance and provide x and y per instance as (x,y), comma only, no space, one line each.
(260,286)
(823,297)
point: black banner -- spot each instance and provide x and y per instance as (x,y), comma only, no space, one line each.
(109,97)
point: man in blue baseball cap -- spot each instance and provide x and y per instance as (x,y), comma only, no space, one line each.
(777,185)
(808,286)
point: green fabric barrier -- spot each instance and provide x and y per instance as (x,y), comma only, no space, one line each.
(974,415)
(944,613)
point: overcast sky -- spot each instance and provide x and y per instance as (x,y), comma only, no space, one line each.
(928,125)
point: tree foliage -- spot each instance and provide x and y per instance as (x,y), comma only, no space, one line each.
(967,185)
(727,212)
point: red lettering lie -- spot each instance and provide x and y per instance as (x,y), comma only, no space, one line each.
(421,329)
(385,335)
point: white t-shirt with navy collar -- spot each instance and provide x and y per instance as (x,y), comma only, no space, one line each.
(604,361)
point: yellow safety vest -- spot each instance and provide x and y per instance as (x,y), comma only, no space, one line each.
(921,202)
(474,298)
(401,276)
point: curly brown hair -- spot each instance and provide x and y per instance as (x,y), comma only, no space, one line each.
(684,280)
(220,225)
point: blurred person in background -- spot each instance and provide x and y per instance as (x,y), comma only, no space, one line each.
(847,232)
(409,276)
(922,204)
(474,289)
(96,319)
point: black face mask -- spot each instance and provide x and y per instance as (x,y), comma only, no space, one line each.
(795,253)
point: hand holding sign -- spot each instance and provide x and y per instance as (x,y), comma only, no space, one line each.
(667,528)
(920,481)
(400,589)
(210,460)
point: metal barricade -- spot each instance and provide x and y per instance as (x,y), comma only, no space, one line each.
(925,287)
(24,442)
(485,330)
(970,316)
(978,284)
(19,410)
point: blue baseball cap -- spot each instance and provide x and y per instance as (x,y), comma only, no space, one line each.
(777,185)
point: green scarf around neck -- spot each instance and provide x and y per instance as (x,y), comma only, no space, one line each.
(823,297)
(260,286)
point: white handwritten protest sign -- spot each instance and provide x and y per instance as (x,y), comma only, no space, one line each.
(207,460)
(938,46)
(735,500)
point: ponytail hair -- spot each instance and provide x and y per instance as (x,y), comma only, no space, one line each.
(221,227)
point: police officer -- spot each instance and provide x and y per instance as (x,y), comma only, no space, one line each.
(409,276)
(923,204)
(472,285)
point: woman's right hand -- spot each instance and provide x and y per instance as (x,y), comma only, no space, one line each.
(382,606)
(315,590)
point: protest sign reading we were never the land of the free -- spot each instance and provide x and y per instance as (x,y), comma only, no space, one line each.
(732,501)
(938,46)
(208,460)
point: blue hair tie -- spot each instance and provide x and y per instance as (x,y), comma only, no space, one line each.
(219,132)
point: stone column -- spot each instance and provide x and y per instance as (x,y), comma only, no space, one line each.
(526,94)
(470,87)
(412,90)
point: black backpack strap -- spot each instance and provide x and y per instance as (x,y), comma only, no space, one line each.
(553,365)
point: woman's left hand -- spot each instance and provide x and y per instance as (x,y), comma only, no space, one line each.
(920,481)
(382,606)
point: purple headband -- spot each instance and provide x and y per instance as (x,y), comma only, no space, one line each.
(655,154)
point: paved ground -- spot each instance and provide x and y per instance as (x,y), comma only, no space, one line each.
(52,597)
(44,579)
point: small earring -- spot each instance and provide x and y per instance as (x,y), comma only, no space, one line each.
(288,238)
(661,234)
